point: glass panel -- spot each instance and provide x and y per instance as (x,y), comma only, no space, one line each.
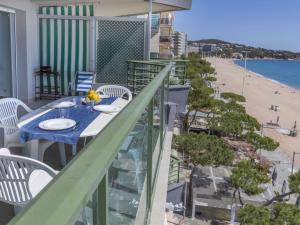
(166,90)
(5,56)
(156,131)
(127,178)
(86,215)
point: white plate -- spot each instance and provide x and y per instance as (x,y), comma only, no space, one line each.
(107,108)
(57,124)
(64,105)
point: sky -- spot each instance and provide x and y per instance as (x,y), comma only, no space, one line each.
(272,24)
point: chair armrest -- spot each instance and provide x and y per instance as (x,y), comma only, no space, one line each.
(26,108)
(8,126)
(4,151)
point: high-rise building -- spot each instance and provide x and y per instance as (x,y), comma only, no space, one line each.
(166,46)
(180,43)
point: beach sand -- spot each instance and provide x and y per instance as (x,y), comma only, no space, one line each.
(260,95)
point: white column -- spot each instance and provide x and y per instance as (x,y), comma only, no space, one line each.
(149,30)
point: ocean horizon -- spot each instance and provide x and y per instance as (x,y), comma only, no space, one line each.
(283,71)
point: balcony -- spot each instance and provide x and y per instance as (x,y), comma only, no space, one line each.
(109,176)
(166,22)
(106,182)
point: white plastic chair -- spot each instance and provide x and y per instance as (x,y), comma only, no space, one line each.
(9,120)
(22,178)
(115,91)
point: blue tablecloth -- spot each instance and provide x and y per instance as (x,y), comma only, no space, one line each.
(83,115)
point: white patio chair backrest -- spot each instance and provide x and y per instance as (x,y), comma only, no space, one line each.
(22,178)
(9,114)
(115,91)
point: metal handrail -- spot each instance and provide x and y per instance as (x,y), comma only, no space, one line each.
(152,62)
(62,200)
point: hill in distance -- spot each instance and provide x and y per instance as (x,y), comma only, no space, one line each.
(227,49)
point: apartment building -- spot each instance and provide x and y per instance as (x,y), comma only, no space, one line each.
(180,44)
(166,46)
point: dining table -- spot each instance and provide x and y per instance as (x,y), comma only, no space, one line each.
(88,123)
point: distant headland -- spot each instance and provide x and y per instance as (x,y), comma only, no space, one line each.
(224,49)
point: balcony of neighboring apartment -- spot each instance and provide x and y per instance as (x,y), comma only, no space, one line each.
(167,40)
(166,22)
(100,161)
(166,19)
(166,31)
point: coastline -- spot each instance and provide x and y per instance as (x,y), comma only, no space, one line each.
(261,92)
(265,77)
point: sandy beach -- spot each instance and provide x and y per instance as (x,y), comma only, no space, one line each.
(260,95)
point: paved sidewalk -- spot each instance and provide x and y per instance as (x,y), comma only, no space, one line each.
(283,164)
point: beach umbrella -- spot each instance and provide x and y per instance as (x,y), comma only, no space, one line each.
(284,186)
(274,176)
(298,202)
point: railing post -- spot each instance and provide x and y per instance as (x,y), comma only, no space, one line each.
(100,203)
(184,72)
(162,116)
(134,79)
(149,154)
(178,174)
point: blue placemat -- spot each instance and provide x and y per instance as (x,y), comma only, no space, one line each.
(83,115)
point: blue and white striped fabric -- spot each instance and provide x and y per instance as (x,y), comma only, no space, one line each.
(84,81)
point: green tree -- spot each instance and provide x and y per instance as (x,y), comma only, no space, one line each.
(234,123)
(198,67)
(233,96)
(251,215)
(280,214)
(199,99)
(232,106)
(249,175)
(204,149)
(294,182)
(285,214)
(260,142)
(210,78)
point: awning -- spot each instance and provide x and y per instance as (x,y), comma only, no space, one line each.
(122,7)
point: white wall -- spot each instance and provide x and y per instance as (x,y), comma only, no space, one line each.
(31,10)
(155,43)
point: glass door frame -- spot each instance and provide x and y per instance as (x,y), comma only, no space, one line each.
(13,49)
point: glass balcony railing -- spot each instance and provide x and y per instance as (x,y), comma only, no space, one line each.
(111,181)
(166,21)
(140,73)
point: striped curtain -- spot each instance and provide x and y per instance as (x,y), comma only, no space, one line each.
(64,44)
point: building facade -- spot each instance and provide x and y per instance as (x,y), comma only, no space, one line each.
(166,42)
(180,44)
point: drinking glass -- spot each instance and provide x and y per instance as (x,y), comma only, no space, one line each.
(64,112)
(92,104)
(77,101)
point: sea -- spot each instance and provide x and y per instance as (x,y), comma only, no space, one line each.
(283,71)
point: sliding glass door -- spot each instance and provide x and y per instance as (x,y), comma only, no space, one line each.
(7,54)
